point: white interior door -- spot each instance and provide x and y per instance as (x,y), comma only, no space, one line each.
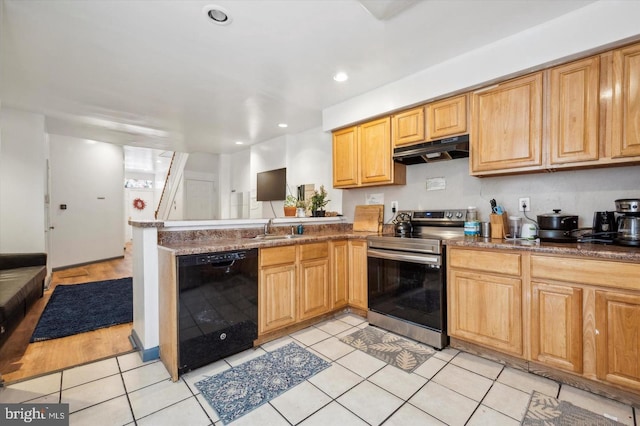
(200,198)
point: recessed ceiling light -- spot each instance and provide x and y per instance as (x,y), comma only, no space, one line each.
(340,76)
(283,125)
(217,15)
(239,143)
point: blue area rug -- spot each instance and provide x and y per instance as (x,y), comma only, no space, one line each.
(79,308)
(235,392)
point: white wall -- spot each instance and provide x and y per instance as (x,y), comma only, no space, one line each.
(146,195)
(88,177)
(579,192)
(309,160)
(307,157)
(234,185)
(22,181)
(575,192)
(598,24)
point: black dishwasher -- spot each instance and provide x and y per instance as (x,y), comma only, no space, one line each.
(218,306)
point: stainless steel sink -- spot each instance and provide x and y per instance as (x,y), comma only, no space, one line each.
(276,237)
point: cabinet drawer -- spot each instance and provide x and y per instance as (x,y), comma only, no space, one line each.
(277,255)
(587,271)
(314,251)
(485,261)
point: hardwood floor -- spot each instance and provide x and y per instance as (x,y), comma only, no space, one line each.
(20,359)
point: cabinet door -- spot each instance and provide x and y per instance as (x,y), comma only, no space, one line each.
(556,326)
(506,127)
(626,102)
(358,274)
(339,273)
(447,117)
(573,112)
(345,157)
(618,338)
(375,151)
(486,309)
(276,297)
(313,288)
(408,127)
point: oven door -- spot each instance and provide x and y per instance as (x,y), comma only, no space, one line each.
(407,286)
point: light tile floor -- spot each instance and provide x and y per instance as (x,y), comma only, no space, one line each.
(452,387)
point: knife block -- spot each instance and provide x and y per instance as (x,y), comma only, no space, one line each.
(498,225)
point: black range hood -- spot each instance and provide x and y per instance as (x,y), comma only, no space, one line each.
(443,149)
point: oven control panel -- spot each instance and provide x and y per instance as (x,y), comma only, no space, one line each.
(438,216)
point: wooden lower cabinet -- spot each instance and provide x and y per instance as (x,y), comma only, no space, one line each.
(277,288)
(314,290)
(339,258)
(556,325)
(300,282)
(358,274)
(486,309)
(618,337)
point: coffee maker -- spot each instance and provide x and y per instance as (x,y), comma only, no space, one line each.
(628,225)
(604,230)
(604,224)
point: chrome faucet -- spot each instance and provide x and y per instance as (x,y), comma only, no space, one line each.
(267,227)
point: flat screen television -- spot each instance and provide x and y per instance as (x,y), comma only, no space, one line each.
(272,185)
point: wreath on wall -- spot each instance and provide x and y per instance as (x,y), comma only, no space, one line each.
(139,204)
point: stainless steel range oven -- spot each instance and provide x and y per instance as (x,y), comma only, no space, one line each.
(407,276)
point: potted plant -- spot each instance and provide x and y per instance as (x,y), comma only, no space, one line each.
(318,201)
(290,204)
(301,208)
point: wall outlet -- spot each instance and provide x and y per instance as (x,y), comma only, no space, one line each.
(524,204)
(394,206)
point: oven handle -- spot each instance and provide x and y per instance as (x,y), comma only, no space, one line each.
(395,255)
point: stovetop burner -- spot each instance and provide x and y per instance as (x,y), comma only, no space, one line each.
(430,227)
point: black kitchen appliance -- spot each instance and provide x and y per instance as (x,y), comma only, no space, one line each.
(427,152)
(604,223)
(628,232)
(218,306)
(604,229)
(557,227)
(407,276)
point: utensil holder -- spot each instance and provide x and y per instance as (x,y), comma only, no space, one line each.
(498,225)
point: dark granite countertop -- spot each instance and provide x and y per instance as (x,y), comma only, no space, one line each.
(212,245)
(599,251)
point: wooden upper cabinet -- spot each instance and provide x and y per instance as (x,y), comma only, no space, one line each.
(573,112)
(363,156)
(626,102)
(375,151)
(345,157)
(447,117)
(408,127)
(506,131)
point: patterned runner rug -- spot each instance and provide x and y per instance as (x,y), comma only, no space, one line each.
(394,350)
(546,410)
(235,392)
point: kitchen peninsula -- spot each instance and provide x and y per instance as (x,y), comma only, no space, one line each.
(314,274)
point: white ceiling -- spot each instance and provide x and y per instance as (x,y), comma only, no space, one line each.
(159,74)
